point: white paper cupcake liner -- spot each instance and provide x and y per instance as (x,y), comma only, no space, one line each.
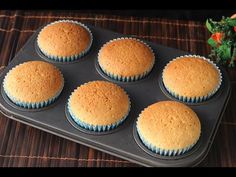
(96,128)
(126,78)
(164,152)
(31,105)
(194,99)
(72,57)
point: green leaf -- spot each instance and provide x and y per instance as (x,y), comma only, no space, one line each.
(231,22)
(225,51)
(211,42)
(209,25)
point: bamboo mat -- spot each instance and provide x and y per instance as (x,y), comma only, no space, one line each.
(24,146)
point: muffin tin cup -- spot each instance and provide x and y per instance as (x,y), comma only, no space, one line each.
(31,105)
(35,105)
(72,57)
(194,99)
(96,128)
(126,78)
(164,152)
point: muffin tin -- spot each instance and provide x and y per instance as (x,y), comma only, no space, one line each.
(122,141)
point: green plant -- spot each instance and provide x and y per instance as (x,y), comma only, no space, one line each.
(222,40)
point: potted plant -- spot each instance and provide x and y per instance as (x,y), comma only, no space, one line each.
(223,40)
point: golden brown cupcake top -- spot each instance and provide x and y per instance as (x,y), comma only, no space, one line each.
(99,103)
(126,57)
(33,81)
(64,39)
(169,125)
(191,77)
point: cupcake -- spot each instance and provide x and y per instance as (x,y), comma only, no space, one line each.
(191,78)
(65,40)
(33,84)
(99,106)
(126,59)
(168,128)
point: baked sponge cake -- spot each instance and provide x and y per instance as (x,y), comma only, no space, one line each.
(65,40)
(126,59)
(168,128)
(191,78)
(99,106)
(33,84)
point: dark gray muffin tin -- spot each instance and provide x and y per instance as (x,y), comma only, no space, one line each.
(122,141)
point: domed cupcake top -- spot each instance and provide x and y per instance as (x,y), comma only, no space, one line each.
(126,57)
(169,125)
(64,39)
(33,82)
(191,76)
(99,103)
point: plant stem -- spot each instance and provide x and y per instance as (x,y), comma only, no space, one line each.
(231,64)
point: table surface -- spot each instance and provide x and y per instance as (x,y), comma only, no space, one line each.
(25,146)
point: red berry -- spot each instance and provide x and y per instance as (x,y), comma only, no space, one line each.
(217,37)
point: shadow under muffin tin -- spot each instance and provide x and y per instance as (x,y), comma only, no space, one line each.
(144,92)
